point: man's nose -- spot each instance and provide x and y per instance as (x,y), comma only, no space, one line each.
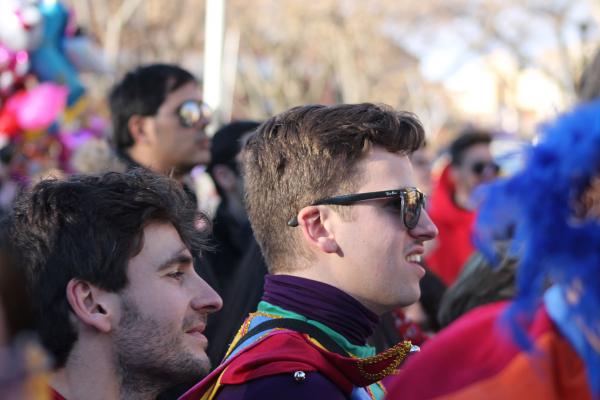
(206,299)
(425,229)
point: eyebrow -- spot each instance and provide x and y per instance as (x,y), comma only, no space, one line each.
(182,256)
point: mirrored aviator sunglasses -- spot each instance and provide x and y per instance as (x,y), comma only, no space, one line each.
(192,113)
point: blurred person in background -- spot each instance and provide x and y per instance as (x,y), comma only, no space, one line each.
(158,123)
(544,343)
(159,120)
(331,198)
(452,206)
(24,365)
(236,261)
(231,227)
(480,284)
(119,306)
(477,284)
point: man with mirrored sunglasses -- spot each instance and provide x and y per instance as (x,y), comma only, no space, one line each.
(452,207)
(158,120)
(330,193)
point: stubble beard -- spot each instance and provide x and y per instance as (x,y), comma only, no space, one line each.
(150,357)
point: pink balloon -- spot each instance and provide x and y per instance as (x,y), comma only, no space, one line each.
(40,106)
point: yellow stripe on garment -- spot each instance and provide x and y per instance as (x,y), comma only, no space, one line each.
(212,391)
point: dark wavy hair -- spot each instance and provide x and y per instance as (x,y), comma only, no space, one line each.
(88,227)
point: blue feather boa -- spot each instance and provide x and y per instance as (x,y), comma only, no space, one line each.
(535,210)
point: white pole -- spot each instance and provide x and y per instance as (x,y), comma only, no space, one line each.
(213,57)
(230,59)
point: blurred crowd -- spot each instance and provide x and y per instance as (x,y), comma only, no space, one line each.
(92,201)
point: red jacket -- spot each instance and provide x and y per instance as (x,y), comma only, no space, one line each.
(455,227)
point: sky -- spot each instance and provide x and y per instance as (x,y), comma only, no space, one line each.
(446,57)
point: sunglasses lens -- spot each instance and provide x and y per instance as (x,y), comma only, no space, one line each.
(480,167)
(413,201)
(192,112)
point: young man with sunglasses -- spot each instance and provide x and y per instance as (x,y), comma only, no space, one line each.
(158,120)
(452,208)
(331,198)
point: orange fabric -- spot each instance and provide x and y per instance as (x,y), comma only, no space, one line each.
(556,373)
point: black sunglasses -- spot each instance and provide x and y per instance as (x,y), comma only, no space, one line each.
(480,166)
(412,201)
(192,112)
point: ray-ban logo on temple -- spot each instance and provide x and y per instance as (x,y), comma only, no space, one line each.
(412,201)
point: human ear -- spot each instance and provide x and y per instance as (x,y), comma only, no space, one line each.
(91,305)
(312,220)
(138,128)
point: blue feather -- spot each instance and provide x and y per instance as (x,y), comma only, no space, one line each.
(536,207)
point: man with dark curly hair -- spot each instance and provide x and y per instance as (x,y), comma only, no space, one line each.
(109,259)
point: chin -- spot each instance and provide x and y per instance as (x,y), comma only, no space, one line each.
(199,364)
(408,300)
(204,364)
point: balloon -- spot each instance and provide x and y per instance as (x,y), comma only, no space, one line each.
(49,61)
(20,24)
(41,106)
(35,109)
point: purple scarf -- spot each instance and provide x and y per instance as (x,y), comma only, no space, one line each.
(323,303)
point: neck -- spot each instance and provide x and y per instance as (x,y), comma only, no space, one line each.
(139,387)
(321,302)
(147,160)
(86,377)
(91,374)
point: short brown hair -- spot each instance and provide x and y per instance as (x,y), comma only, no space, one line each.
(310,152)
